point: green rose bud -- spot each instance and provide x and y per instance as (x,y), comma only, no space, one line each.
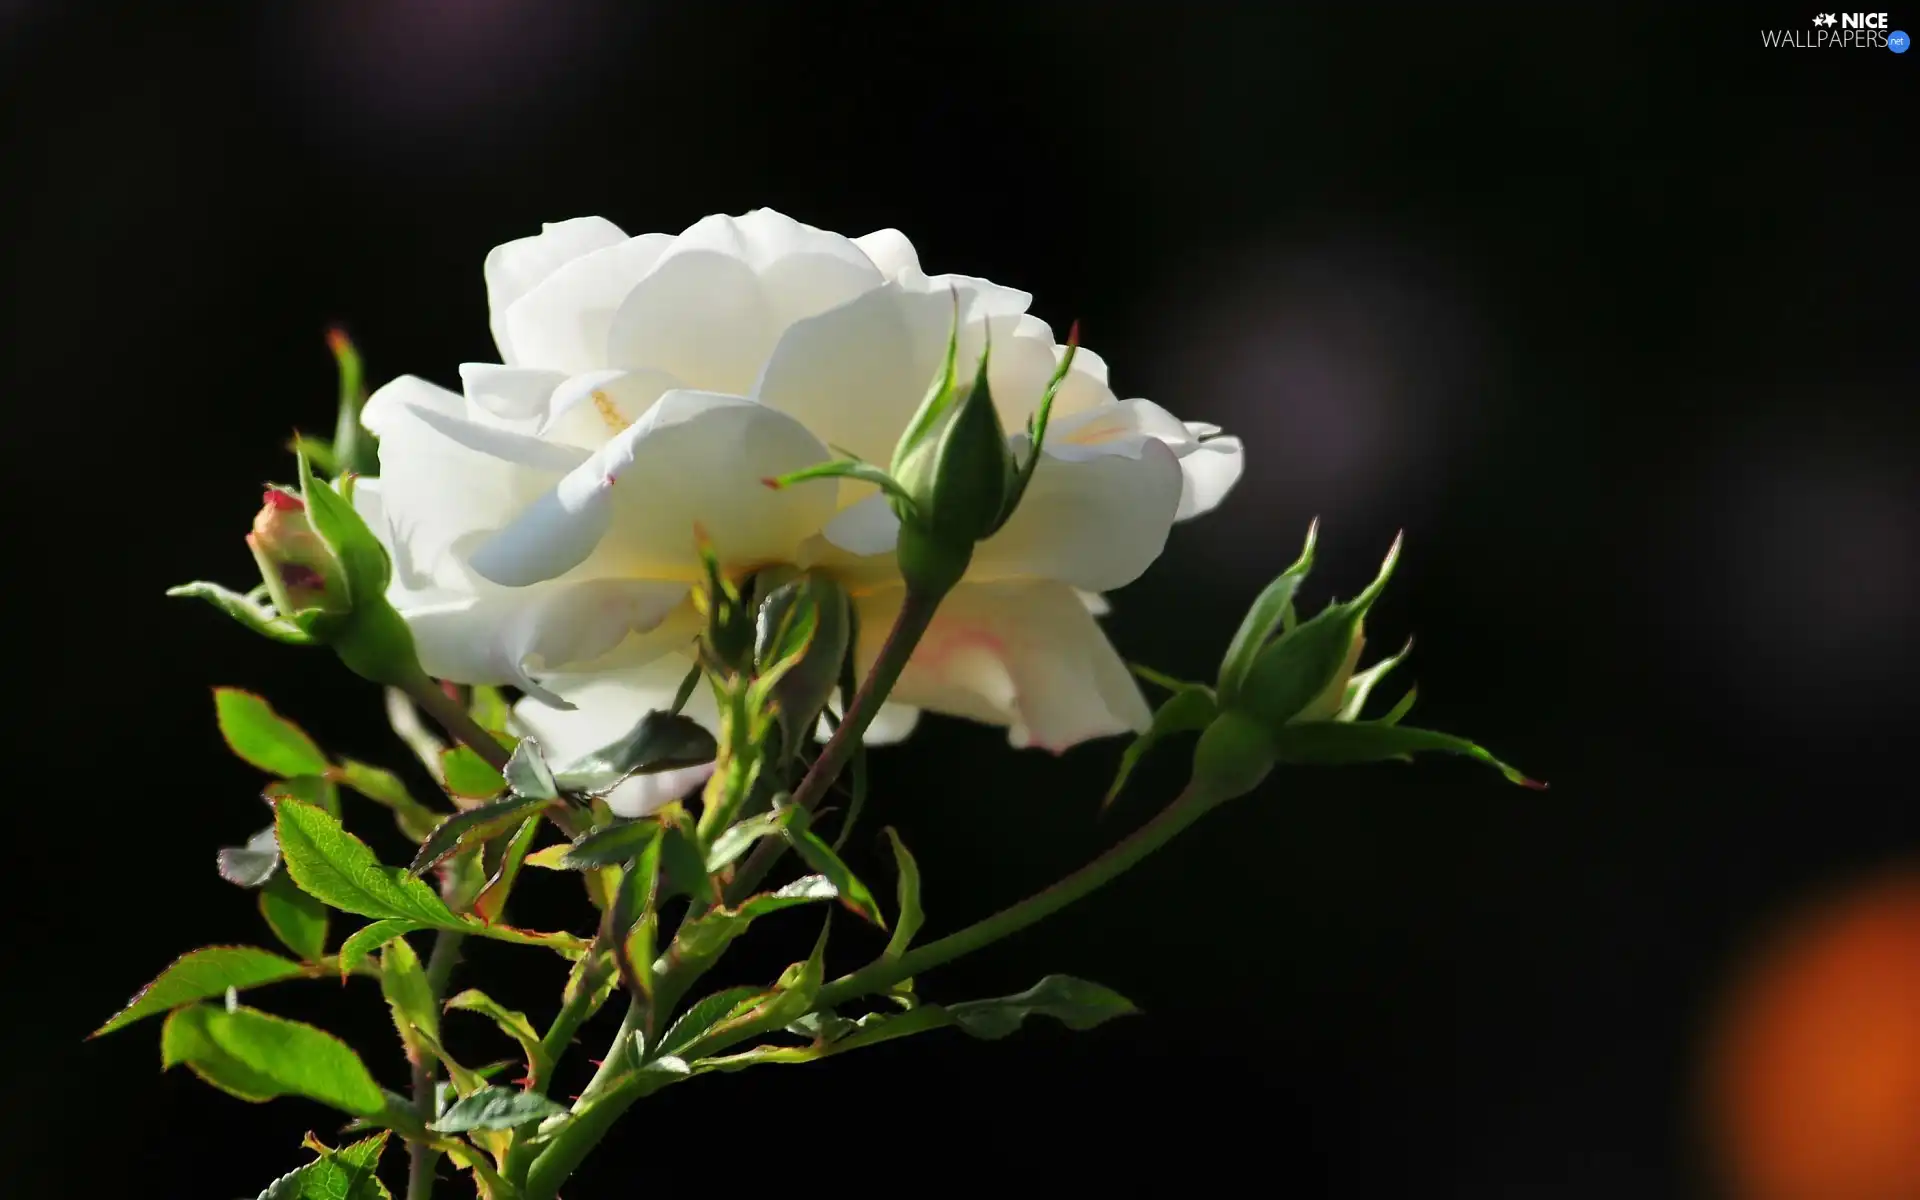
(802,627)
(955,472)
(1302,675)
(1233,756)
(300,571)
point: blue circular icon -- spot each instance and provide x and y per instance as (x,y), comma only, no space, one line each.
(1898,42)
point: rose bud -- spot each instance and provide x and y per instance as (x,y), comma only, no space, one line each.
(301,573)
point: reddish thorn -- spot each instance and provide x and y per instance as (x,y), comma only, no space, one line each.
(283,501)
(524,1081)
(770,481)
(596,1062)
(337,340)
(1538,785)
(1073,334)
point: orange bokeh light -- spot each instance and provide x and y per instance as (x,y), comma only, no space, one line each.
(1815,1082)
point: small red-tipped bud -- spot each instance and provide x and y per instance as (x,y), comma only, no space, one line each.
(300,572)
(337,340)
(770,481)
(1073,334)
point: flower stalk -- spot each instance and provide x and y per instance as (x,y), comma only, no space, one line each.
(421,1157)
(916,613)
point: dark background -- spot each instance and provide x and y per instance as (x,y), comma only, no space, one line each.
(1612,310)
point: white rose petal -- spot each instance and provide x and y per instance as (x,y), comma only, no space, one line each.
(513,269)
(1024,654)
(561,323)
(543,525)
(696,460)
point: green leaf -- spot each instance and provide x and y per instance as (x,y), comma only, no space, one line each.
(317,790)
(515,1025)
(792,995)
(348,536)
(1301,666)
(251,865)
(466,774)
(1161,679)
(403,981)
(489,709)
(1340,743)
(332,865)
(496,1108)
(820,856)
(258,1057)
(620,842)
(383,787)
(404,719)
(858,785)
(660,742)
(491,903)
(1190,709)
(1037,427)
(702,938)
(683,868)
(528,775)
(1264,619)
(803,629)
(1075,1003)
(911,917)
(346,1174)
(684,692)
(844,468)
(202,975)
(940,395)
(318,451)
(255,616)
(359,947)
(1399,711)
(628,924)
(262,737)
(738,837)
(356,449)
(1362,684)
(706,1013)
(297,919)
(470,828)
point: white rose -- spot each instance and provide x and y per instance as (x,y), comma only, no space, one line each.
(542,524)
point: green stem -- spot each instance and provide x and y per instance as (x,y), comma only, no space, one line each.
(421,1158)
(591,1122)
(1188,807)
(612,1094)
(916,613)
(455,719)
(573,1014)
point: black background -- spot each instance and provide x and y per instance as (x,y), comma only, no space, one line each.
(1612,310)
